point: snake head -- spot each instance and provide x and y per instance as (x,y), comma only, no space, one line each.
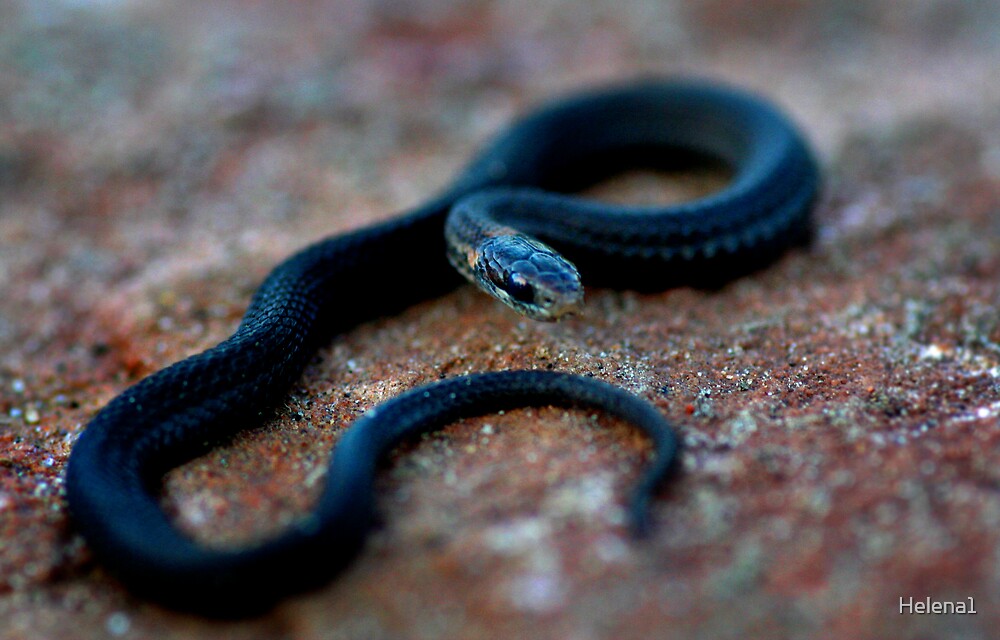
(529,276)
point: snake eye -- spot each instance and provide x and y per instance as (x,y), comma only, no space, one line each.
(519,288)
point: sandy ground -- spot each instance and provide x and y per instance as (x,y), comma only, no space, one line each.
(839,409)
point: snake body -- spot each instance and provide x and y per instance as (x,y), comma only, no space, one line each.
(516,186)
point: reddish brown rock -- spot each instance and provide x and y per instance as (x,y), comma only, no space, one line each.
(839,408)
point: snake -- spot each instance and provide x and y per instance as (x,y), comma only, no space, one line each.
(512,222)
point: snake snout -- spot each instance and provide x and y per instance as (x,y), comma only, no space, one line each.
(529,276)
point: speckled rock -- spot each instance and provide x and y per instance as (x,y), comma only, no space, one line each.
(840,408)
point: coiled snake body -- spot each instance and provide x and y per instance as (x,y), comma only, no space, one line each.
(515,185)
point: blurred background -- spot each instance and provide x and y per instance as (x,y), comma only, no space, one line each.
(158,158)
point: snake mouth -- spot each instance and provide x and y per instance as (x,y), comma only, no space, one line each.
(542,305)
(552,309)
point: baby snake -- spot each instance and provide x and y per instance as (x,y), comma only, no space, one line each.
(516,186)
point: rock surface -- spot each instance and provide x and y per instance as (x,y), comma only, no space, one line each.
(840,409)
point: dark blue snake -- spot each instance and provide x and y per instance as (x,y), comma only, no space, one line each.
(516,186)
